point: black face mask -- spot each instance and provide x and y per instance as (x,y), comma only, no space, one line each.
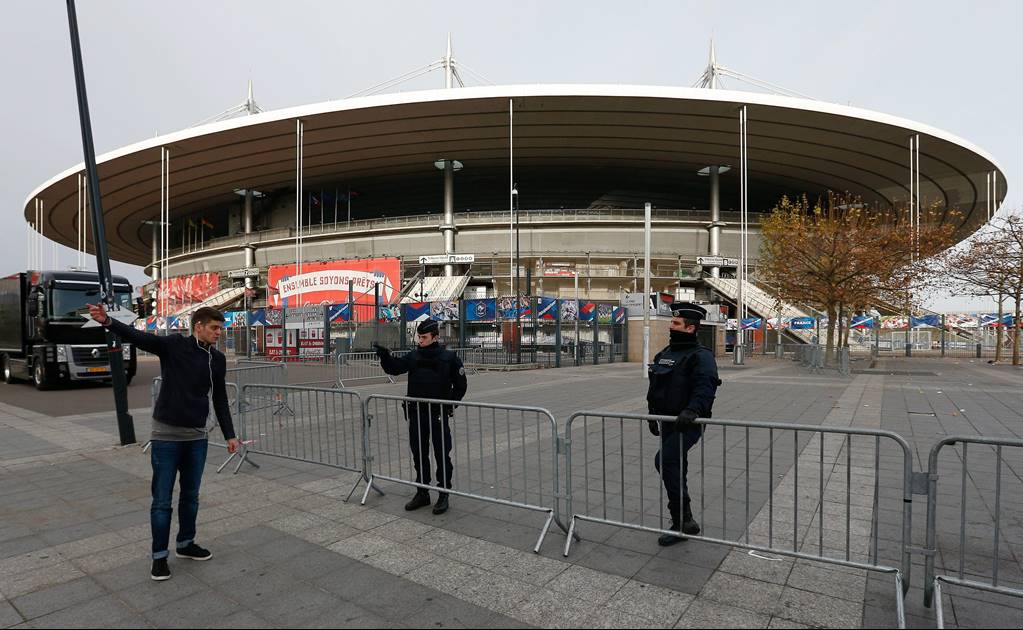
(677,337)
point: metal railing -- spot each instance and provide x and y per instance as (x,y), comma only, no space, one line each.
(501,454)
(981,532)
(618,482)
(461,218)
(313,425)
(361,366)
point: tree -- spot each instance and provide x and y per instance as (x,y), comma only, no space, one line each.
(841,255)
(989,264)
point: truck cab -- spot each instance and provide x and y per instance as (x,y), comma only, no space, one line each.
(42,338)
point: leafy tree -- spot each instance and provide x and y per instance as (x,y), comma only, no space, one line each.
(841,255)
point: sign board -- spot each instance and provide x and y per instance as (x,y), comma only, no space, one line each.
(447,259)
(251,272)
(327,282)
(717,261)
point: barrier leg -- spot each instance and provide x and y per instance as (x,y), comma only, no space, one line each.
(369,484)
(226,462)
(938,604)
(571,535)
(543,532)
(900,603)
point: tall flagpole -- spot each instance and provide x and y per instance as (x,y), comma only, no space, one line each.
(125,424)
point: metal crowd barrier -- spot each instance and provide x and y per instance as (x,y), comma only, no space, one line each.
(360,366)
(233,401)
(615,484)
(502,454)
(315,425)
(987,522)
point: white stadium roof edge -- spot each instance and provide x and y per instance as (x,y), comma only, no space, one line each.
(819,144)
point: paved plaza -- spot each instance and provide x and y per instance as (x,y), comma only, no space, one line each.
(74,532)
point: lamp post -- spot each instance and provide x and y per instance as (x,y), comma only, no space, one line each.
(518,305)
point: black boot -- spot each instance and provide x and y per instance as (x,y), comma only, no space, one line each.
(689,525)
(442,503)
(667,540)
(422,499)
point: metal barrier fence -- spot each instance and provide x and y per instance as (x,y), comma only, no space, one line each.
(361,366)
(502,454)
(981,539)
(619,481)
(314,425)
(233,400)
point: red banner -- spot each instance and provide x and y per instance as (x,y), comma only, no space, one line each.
(327,283)
(185,290)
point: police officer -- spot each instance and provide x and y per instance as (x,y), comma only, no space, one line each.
(433,372)
(683,382)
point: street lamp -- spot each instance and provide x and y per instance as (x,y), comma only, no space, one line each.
(518,305)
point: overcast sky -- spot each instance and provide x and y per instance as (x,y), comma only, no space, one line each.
(161,66)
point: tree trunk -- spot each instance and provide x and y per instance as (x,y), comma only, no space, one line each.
(829,349)
(1015,330)
(998,330)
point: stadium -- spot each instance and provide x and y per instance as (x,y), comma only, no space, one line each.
(435,195)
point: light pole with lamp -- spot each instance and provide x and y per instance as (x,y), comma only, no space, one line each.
(518,301)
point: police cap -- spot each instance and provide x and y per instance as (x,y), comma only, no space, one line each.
(428,326)
(688,310)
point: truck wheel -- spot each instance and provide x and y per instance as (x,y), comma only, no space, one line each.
(9,377)
(39,376)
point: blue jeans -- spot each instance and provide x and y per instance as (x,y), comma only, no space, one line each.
(169,459)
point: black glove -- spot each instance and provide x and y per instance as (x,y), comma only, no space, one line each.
(654,427)
(380,350)
(686,419)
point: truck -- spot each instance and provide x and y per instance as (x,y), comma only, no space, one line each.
(42,338)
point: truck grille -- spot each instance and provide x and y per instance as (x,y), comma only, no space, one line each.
(83,356)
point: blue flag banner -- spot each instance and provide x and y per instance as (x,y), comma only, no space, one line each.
(802,323)
(862,321)
(618,314)
(587,311)
(547,308)
(926,321)
(389,313)
(257,317)
(339,313)
(752,323)
(506,307)
(417,311)
(481,310)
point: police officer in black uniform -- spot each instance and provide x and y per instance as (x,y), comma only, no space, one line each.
(683,383)
(433,372)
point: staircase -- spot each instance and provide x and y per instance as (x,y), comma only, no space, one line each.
(218,300)
(761,303)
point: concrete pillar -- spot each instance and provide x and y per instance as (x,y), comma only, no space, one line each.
(715,218)
(250,250)
(448,227)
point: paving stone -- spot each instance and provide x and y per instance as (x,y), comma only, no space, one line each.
(660,605)
(742,592)
(703,613)
(48,600)
(550,609)
(595,587)
(8,615)
(815,609)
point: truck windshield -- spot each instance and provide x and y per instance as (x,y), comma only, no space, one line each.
(73,303)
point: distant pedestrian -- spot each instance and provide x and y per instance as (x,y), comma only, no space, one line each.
(437,373)
(683,383)
(192,371)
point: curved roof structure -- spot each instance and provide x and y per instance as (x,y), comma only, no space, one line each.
(794,146)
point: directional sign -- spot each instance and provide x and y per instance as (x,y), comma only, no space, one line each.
(250,272)
(447,259)
(123,316)
(717,261)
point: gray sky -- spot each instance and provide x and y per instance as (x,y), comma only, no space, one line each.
(161,66)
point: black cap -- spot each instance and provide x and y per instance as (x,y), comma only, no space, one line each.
(428,326)
(688,310)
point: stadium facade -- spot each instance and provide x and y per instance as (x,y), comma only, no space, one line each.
(400,176)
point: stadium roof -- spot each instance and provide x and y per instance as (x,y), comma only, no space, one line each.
(793,143)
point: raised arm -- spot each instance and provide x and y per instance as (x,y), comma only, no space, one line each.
(145,341)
